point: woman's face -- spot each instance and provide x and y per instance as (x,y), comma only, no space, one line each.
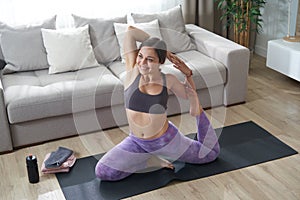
(147,60)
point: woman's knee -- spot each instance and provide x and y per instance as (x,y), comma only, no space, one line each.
(214,154)
(101,171)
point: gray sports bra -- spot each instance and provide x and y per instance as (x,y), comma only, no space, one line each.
(147,103)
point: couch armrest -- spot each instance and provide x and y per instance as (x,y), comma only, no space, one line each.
(6,141)
(234,56)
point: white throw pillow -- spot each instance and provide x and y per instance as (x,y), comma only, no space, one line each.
(68,49)
(152,28)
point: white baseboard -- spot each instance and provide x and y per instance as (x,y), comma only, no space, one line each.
(260,50)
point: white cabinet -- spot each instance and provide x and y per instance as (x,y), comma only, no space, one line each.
(284,57)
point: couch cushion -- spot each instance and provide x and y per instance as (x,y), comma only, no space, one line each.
(172,28)
(22,46)
(2,63)
(103,36)
(76,46)
(152,28)
(36,94)
(207,72)
(118,69)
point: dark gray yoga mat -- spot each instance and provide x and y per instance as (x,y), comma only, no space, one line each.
(242,145)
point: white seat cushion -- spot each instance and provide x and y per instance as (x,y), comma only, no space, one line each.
(36,94)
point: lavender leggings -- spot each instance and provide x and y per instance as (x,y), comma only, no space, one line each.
(133,153)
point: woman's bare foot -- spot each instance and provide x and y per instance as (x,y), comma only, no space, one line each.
(195,107)
(159,162)
(166,164)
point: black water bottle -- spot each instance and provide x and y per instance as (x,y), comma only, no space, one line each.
(32,169)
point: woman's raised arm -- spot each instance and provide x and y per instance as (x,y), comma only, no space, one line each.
(132,36)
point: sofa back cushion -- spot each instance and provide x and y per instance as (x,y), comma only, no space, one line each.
(2,62)
(152,28)
(172,28)
(22,47)
(103,36)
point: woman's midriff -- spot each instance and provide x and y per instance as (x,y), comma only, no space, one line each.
(145,125)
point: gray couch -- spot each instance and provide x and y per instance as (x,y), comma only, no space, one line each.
(37,106)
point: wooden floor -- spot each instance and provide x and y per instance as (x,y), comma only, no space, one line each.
(273,102)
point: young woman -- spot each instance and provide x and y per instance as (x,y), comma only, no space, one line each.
(154,141)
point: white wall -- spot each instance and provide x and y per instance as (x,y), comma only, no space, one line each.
(275,23)
(18,12)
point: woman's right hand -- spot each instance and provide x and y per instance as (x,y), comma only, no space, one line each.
(179,64)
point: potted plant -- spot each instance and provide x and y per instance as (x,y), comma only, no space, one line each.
(243,16)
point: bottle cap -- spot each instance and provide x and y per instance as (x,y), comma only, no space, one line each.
(31,160)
